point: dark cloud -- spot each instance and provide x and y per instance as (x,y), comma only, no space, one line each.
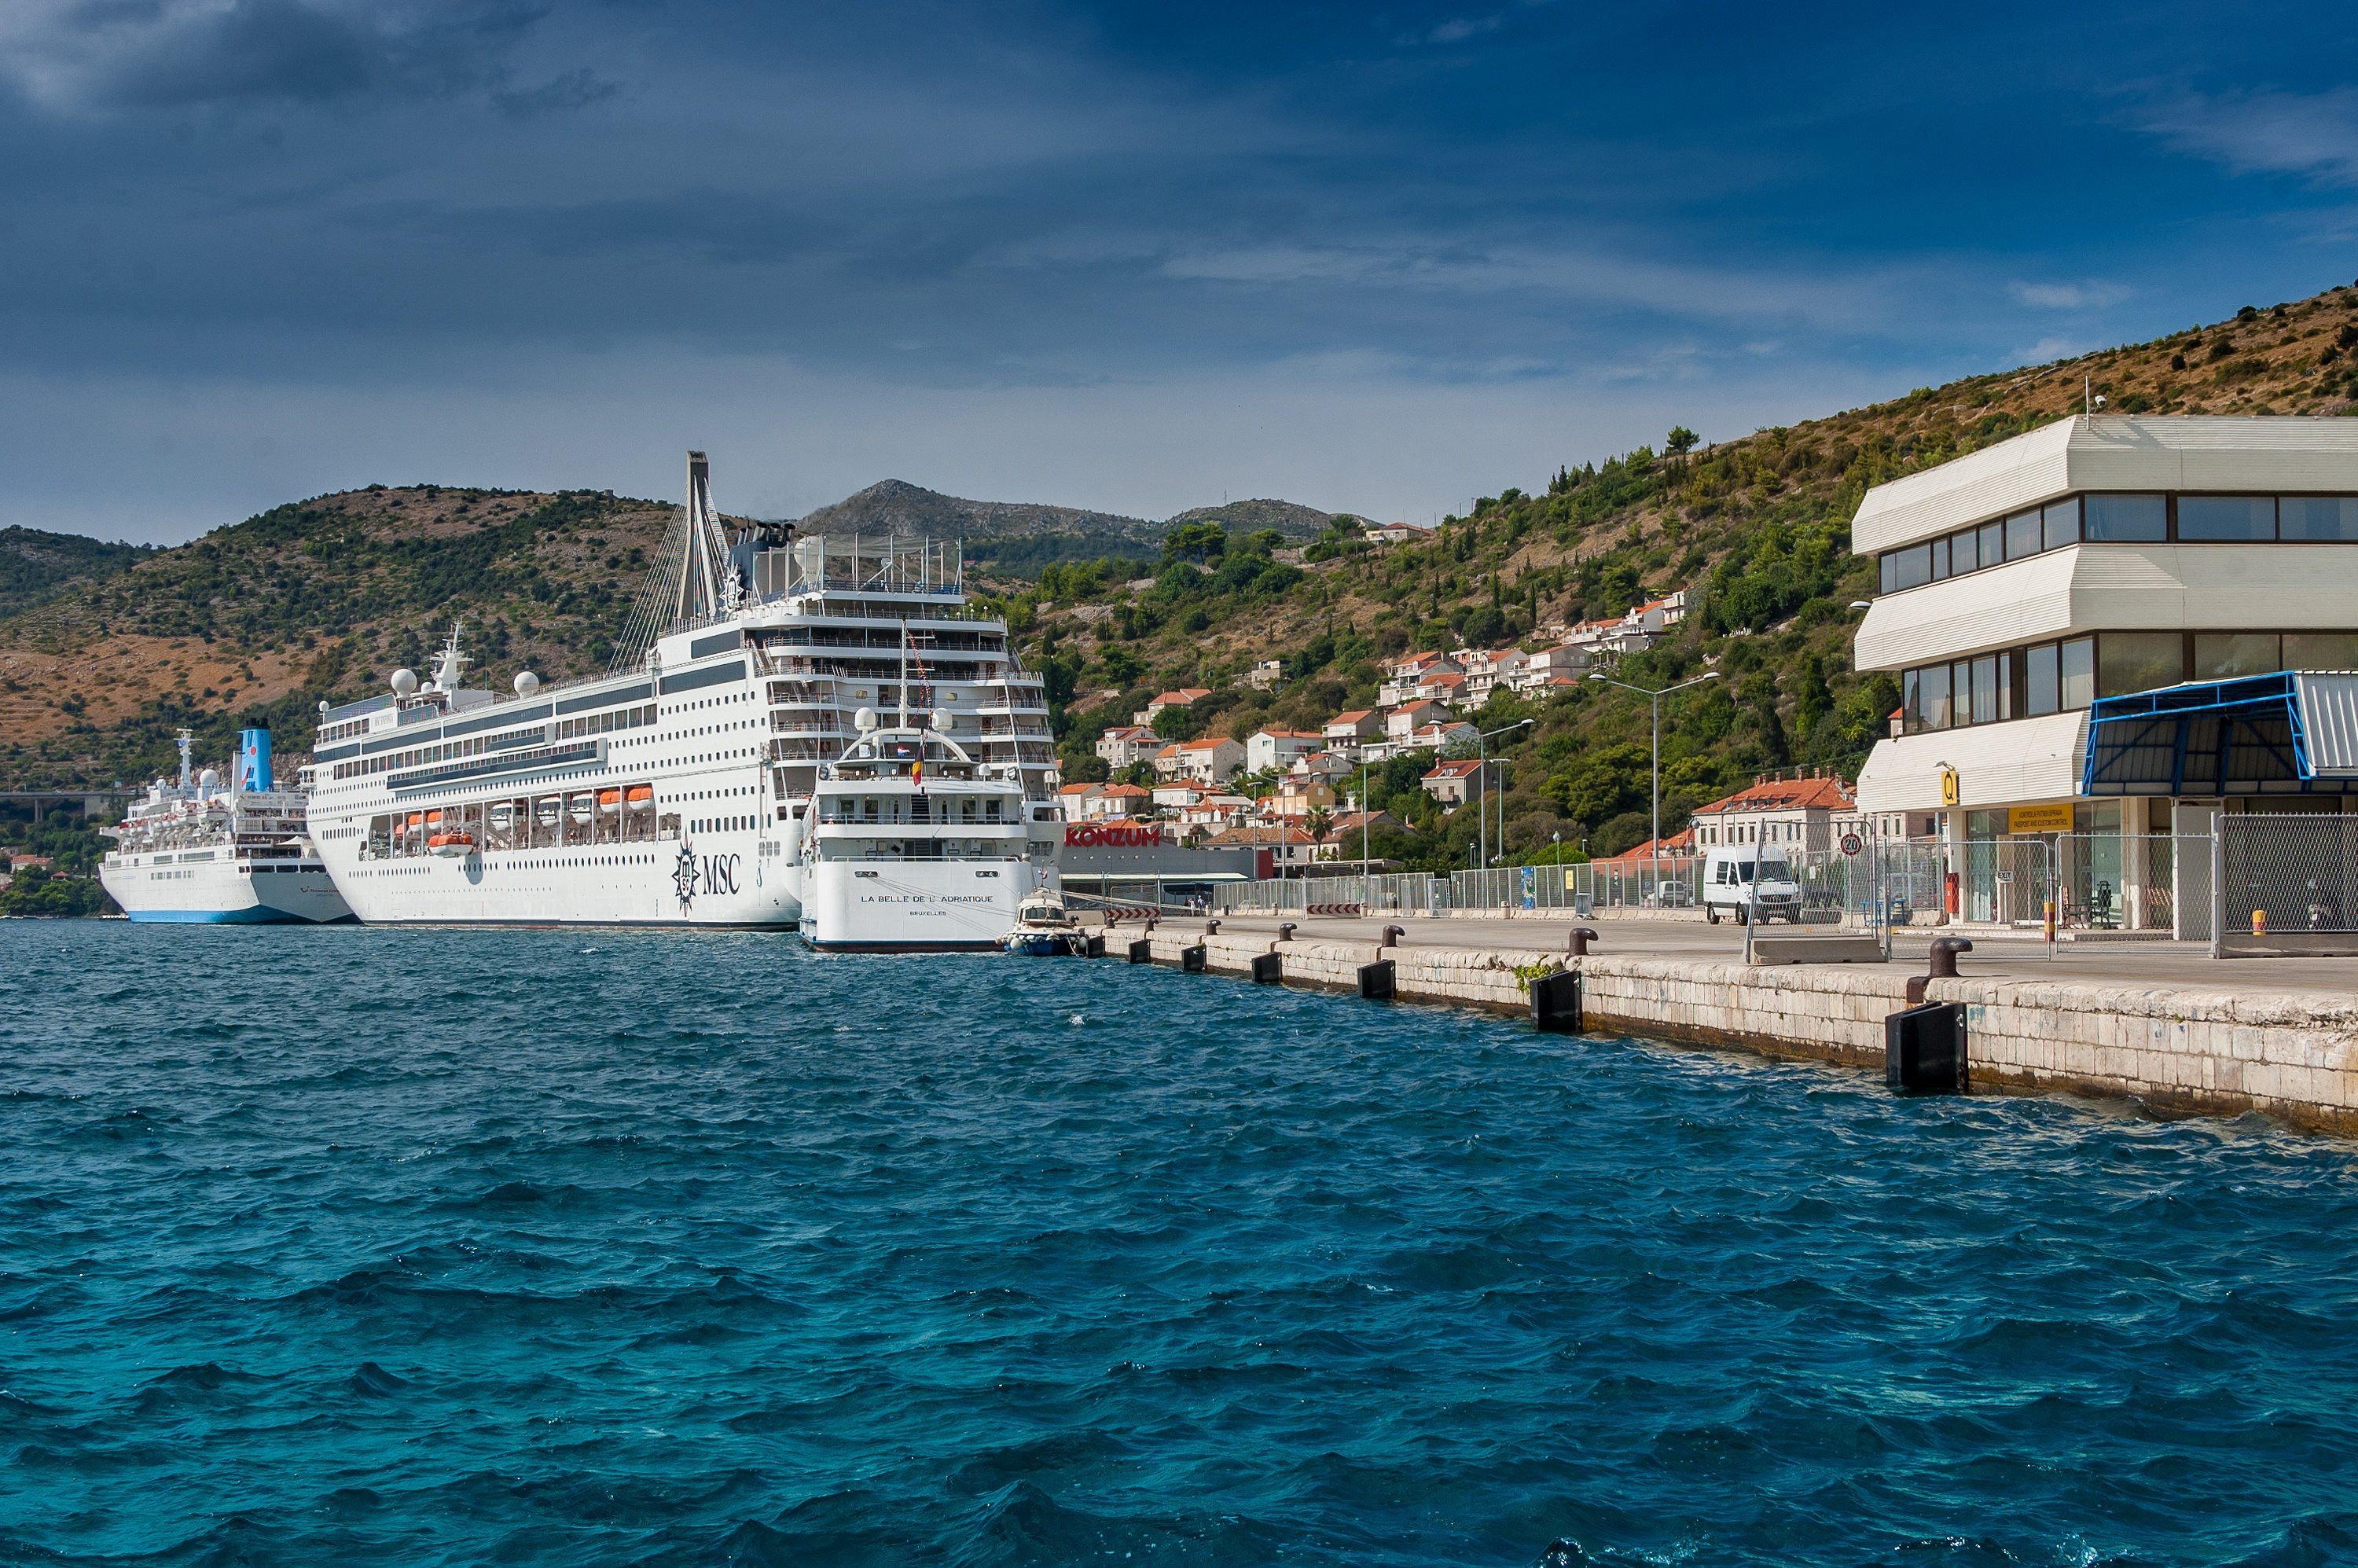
(184,53)
(1524,209)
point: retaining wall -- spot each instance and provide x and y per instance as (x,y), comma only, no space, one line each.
(2211,1051)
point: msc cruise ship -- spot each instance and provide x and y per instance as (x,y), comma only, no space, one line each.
(675,789)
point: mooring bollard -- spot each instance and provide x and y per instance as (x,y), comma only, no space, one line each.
(1581,937)
(1149,922)
(1286,930)
(1943,966)
(1392,935)
(1211,928)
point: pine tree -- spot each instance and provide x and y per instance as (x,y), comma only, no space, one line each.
(1816,698)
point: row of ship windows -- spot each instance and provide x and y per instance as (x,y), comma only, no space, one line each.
(2107,519)
(2057,678)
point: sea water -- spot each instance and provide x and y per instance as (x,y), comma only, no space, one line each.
(354,1246)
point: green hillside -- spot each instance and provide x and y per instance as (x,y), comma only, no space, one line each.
(1756,530)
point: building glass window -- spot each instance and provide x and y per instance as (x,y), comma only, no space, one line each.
(2138,661)
(2226,656)
(1984,689)
(2077,673)
(1890,572)
(1926,697)
(2022,535)
(2127,519)
(2040,690)
(2318,517)
(2226,517)
(2062,524)
(1993,545)
(2320,651)
(1915,566)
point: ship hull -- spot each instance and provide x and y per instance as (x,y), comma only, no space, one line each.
(717,883)
(227,894)
(916,907)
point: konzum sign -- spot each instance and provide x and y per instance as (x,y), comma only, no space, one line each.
(1108,837)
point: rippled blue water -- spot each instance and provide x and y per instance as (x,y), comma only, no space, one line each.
(439,1247)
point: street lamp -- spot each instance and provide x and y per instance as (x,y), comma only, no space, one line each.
(1656,791)
(1481,777)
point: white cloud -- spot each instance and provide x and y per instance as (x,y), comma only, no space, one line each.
(2069,295)
(2267,132)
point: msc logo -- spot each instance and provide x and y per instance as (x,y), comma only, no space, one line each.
(714,874)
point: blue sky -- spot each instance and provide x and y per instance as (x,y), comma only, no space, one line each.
(1372,258)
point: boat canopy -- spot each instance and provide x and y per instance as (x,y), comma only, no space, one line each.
(2289,732)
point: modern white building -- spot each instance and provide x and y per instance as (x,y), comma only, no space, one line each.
(2093,627)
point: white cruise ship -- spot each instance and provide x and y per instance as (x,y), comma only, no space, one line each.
(911,846)
(673,790)
(198,852)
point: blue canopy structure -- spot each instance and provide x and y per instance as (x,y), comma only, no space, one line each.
(2290,732)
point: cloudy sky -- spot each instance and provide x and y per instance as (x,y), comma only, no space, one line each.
(1375,258)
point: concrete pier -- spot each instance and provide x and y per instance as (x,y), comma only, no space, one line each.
(2180,1034)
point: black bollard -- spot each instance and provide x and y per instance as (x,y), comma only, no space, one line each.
(1581,937)
(1392,935)
(1211,928)
(1943,966)
(1285,931)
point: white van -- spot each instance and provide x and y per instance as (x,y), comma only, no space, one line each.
(1727,886)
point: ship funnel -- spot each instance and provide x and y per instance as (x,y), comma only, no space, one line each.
(253,760)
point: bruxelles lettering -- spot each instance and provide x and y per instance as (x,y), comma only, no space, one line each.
(1112,838)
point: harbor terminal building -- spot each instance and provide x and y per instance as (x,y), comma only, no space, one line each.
(2115,628)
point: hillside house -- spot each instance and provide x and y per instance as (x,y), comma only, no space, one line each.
(1185,696)
(1459,780)
(1806,813)
(1125,745)
(1266,749)
(1209,762)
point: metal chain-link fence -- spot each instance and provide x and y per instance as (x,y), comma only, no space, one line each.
(2280,874)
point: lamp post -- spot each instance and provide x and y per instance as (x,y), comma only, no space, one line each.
(1481,776)
(1656,777)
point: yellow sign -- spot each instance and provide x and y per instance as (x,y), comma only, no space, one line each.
(2038,819)
(1948,786)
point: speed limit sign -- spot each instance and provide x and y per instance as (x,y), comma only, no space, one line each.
(1852,843)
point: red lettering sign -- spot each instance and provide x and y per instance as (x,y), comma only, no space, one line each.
(1092,835)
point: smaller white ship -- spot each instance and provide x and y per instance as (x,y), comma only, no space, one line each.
(201,852)
(1044,928)
(911,845)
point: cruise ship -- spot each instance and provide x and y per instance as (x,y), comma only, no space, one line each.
(674,790)
(199,852)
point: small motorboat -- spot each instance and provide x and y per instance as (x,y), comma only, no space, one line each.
(1044,928)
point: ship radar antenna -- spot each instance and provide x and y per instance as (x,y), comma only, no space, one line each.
(449,663)
(187,750)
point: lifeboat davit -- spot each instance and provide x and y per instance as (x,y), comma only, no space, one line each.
(451,846)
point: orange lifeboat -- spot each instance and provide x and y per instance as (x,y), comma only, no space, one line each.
(451,846)
(609,801)
(642,794)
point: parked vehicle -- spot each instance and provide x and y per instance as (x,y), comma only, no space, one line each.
(1728,887)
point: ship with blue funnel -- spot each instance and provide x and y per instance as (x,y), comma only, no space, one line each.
(203,851)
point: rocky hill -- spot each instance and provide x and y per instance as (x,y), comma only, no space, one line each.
(1297,522)
(35,567)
